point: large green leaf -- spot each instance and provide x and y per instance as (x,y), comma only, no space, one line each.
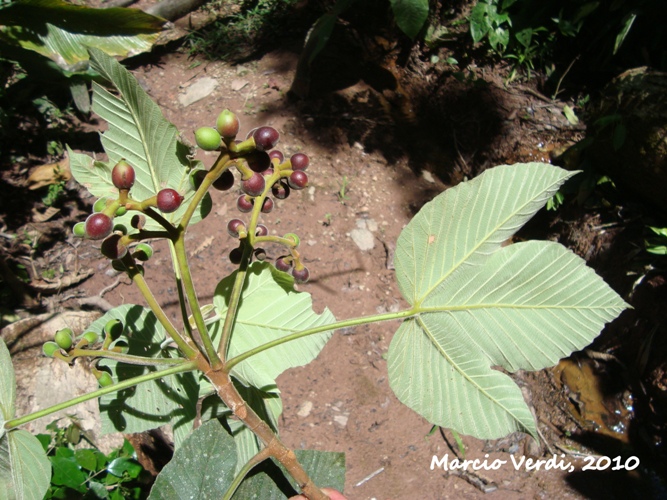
(410,15)
(270,308)
(479,305)
(169,400)
(202,468)
(7,387)
(138,133)
(61,31)
(25,471)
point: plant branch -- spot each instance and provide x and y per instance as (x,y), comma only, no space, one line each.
(407,313)
(257,459)
(184,366)
(123,358)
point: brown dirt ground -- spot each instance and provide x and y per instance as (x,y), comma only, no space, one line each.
(393,159)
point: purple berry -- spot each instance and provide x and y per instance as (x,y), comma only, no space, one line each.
(267,206)
(112,248)
(298,179)
(168,200)
(299,161)
(234,226)
(258,161)
(244,203)
(266,138)
(283,265)
(225,181)
(280,190)
(122,175)
(277,155)
(98,226)
(235,256)
(261,230)
(300,275)
(254,186)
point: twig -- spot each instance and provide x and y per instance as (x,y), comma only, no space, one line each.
(109,288)
(369,477)
(560,80)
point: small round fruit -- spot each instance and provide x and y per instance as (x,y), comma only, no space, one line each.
(280,190)
(258,161)
(100,204)
(266,138)
(254,186)
(244,203)
(260,254)
(79,229)
(120,211)
(118,265)
(122,175)
(98,226)
(284,265)
(120,228)
(113,328)
(261,230)
(234,226)
(138,221)
(235,256)
(267,206)
(168,200)
(225,181)
(91,338)
(299,161)
(227,124)
(64,338)
(104,379)
(298,179)
(50,348)
(300,275)
(294,238)
(276,154)
(208,138)
(143,252)
(113,248)
(196,178)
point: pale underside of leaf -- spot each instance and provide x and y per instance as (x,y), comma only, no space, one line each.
(7,385)
(25,471)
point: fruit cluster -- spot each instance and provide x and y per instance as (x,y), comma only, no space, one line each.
(263,170)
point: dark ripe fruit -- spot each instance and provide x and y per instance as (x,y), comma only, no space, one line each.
(268,172)
(261,230)
(280,190)
(298,179)
(266,138)
(258,161)
(118,266)
(79,229)
(122,175)
(277,155)
(282,264)
(300,275)
(207,138)
(50,348)
(168,200)
(91,337)
(98,226)
(64,338)
(267,206)
(227,124)
(142,252)
(235,256)
(244,204)
(234,226)
(112,248)
(138,221)
(299,161)
(225,181)
(254,186)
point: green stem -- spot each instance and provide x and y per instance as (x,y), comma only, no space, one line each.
(188,284)
(257,459)
(215,171)
(124,358)
(234,299)
(319,329)
(125,384)
(141,284)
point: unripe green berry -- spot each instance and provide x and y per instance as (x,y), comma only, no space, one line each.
(294,238)
(91,337)
(100,204)
(113,328)
(50,348)
(143,252)
(208,138)
(120,211)
(79,229)
(64,338)
(227,124)
(104,379)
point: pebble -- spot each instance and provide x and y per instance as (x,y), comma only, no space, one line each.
(305,409)
(363,238)
(341,420)
(197,91)
(428,176)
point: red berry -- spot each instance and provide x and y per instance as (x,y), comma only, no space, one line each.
(283,265)
(258,161)
(227,124)
(244,204)
(268,172)
(98,226)
(277,155)
(261,230)
(112,248)
(168,200)
(266,138)
(267,206)
(122,175)
(225,181)
(280,190)
(301,275)
(234,226)
(298,179)
(254,186)
(299,161)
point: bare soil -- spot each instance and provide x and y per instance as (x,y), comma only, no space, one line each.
(375,161)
